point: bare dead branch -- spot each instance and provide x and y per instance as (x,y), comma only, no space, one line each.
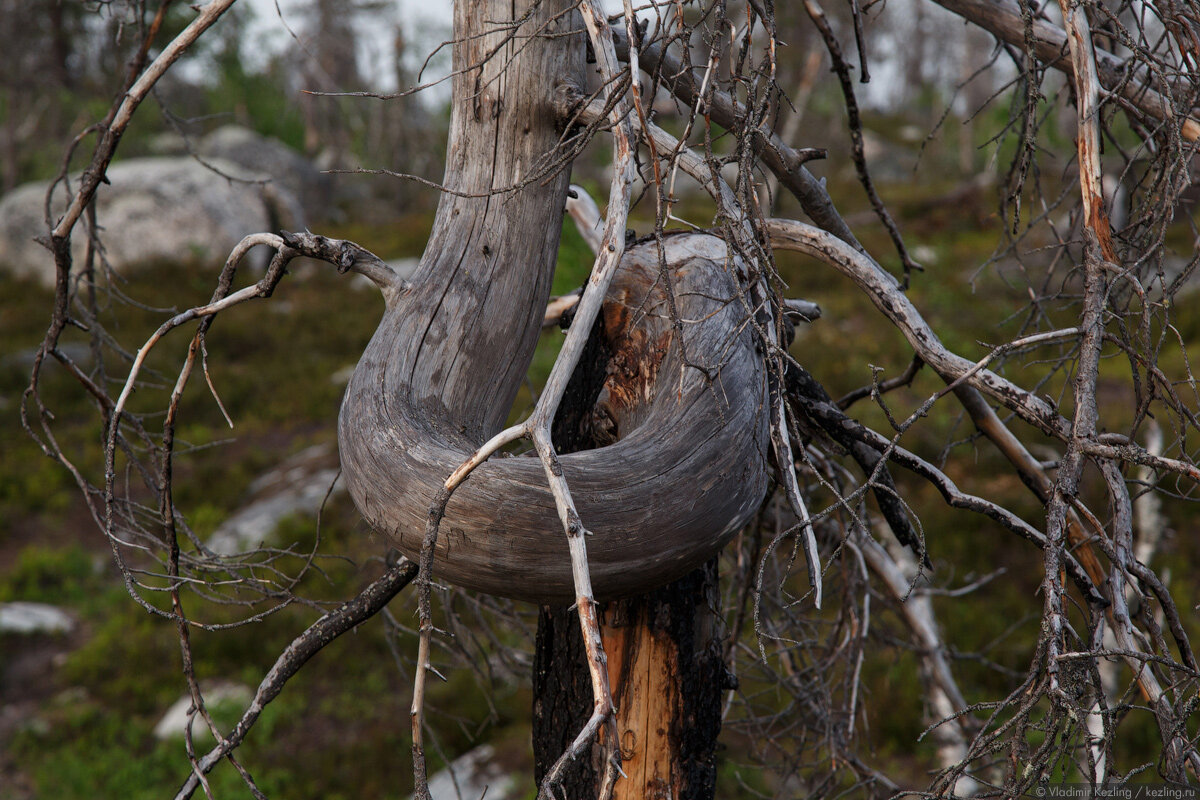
(1003,19)
(369,602)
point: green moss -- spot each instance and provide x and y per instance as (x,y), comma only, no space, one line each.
(405,237)
(66,575)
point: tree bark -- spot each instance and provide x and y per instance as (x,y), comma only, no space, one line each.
(667,677)
(663,647)
(688,466)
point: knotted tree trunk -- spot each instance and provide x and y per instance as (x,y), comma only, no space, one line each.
(670,430)
(687,464)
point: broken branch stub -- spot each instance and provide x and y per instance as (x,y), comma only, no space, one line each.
(441,373)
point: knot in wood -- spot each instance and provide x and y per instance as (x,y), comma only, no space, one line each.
(346,258)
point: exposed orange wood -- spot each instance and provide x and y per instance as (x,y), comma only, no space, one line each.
(644,674)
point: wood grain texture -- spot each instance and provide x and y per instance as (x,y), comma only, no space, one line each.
(668,679)
(687,470)
(440,375)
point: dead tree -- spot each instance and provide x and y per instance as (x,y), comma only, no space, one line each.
(676,404)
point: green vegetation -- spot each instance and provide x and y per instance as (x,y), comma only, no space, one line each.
(339,730)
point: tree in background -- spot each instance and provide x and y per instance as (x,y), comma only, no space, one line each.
(42,43)
(704,426)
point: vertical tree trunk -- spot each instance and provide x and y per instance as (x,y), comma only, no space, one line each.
(438,378)
(667,676)
(664,657)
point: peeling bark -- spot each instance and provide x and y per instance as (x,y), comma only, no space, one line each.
(667,676)
(663,647)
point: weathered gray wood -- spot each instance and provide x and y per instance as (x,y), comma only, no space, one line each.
(445,364)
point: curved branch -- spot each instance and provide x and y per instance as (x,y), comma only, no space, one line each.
(94,174)
(439,377)
(885,293)
(689,466)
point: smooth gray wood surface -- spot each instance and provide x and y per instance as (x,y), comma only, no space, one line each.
(441,373)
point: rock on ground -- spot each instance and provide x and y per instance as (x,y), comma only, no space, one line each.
(34,618)
(156,210)
(291,172)
(174,722)
(470,775)
(298,486)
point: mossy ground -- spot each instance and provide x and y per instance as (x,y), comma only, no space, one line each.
(340,727)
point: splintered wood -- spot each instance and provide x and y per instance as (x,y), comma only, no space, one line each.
(643,670)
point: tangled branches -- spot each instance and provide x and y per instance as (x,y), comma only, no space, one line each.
(1065,406)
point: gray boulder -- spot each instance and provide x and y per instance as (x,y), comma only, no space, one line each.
(21,617)
(174,721)
(473,775)
(296,176)
(297,486)
(156,210)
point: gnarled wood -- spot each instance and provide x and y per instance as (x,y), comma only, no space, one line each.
(440,375)
(687,469)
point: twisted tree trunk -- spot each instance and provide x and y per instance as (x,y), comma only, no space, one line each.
(687,466)
(664,646)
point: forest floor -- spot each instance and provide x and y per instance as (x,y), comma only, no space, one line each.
(78,709)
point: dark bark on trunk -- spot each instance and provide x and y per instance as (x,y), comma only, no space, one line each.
(667,677)
(664,652)
(562,700)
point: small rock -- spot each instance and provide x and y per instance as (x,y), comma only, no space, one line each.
(343,375)
(470,775)
(405,267)
(924,254)
(78,352)
(34,618)
(298,486)
(174,721)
